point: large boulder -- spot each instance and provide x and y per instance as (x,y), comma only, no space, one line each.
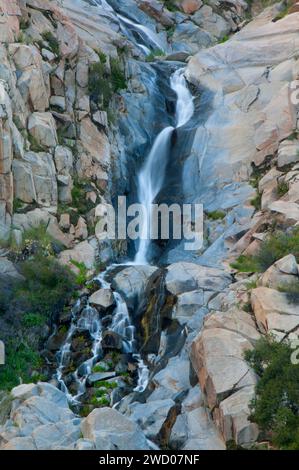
(288,152)
(184,277)
(233,417)
(102,298)
(132,281)
(274,310)
(282,273)
(155,418)
(218,358)
(40,419)
(110,430)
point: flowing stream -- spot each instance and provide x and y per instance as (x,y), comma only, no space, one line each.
(151,177)
(150,182)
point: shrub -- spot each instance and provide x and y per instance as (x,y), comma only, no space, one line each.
(117,76)
(30,320)
(292,291)
(102,85)
(274,247)
(80,202)
(282,188)
(276,406)
(81,278)
(257,201)
(52,41)
(21,359)
(47,287)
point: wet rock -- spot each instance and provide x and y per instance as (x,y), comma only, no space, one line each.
(131,282)
(111,340)
(98,376)
(102,298)
(110,430)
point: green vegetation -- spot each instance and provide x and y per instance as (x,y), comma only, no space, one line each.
(103,84)
(171,5)
(30,303)
(292,291)
(224,39)
(216,215)
(155,53)
(31,320)
(47,287)
(52,41)
(35,146)
(275,246)
(276,406)
(118,78)
(80,202)
(21,359)
(17,205)
(282,188)
(246,264)
(81,278)
(257,201)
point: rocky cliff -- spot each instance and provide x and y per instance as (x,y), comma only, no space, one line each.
(83,93)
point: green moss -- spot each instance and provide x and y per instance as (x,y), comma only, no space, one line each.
(275,408)
(216,215)
(154,54)
(224,39)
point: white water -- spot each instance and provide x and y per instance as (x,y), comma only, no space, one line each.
(150,36)
(151,177)
(89,321)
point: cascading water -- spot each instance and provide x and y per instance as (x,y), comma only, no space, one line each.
(150,183)
(151,177)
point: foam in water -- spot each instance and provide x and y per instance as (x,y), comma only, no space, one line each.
(151,177)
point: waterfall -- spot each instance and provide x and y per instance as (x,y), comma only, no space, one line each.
(151,177)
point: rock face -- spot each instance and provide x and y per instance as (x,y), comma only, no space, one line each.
(110,430)
(40,419)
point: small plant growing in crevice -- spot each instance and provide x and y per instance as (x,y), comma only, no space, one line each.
(52,41)
(216,215)
(282,188)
